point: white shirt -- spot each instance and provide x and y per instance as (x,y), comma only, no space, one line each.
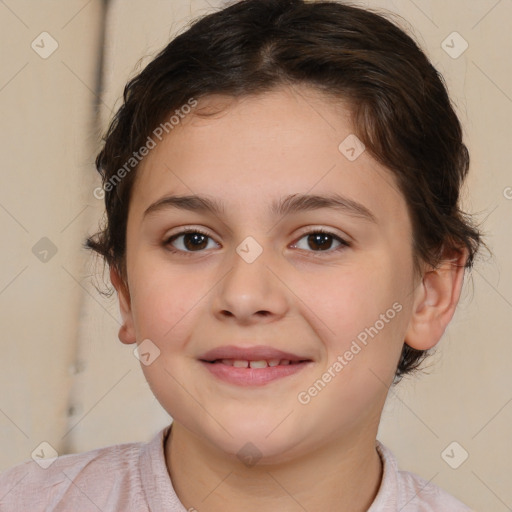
(134,477)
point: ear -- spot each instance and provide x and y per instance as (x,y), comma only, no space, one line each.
(126,331)
(436,298)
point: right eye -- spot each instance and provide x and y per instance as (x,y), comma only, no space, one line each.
(193,240)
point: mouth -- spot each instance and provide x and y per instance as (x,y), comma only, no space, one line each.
(255,366)
(262,363)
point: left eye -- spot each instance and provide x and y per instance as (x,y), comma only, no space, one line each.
(322,241)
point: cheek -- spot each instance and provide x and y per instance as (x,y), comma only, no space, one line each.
(365,315)
(362,313)
(346,300)
(163,302)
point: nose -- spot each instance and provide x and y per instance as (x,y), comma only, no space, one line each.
(250,291)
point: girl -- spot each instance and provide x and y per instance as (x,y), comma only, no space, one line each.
(284,234)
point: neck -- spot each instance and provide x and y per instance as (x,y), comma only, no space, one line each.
(343,475)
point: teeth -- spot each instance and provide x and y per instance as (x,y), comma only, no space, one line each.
(258,364)
(255,364)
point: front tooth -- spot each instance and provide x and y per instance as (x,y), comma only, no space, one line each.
(228,362)
(258,364)
(241,364)
(284,362)
(273,362)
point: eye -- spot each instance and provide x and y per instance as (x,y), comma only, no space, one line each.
(321,240)
(194,240)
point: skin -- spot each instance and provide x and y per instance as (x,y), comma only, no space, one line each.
(315,456)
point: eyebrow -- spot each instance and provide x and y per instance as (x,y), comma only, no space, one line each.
(290,204)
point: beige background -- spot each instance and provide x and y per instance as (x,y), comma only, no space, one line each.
(64,376)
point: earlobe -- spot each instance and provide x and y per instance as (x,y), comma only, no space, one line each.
(436,299)
(126,331)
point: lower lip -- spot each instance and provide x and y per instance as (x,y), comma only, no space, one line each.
(253,376)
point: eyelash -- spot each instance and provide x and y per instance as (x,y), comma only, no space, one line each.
(343,243)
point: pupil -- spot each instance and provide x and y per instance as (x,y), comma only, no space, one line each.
(319,239)
(196,237)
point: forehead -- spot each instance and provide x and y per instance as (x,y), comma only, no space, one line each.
(250,151)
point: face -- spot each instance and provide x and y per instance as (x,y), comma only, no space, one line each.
(327,289)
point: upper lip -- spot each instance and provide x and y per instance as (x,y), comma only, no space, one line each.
(255,353)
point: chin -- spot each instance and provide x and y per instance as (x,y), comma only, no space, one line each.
(253,441)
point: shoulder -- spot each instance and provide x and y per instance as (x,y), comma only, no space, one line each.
(78,480)
(408,492)
(426,496)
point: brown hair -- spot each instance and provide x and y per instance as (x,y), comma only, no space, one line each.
(398,100)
